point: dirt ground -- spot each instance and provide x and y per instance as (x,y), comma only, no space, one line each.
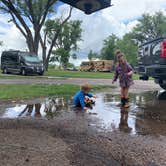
(70,140)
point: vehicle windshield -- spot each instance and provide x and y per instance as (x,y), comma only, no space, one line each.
(32,59)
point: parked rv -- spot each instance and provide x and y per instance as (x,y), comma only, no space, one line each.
(152,61)
(14,61)
(100,65)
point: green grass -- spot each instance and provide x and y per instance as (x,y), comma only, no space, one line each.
(66,74)
(30,91)
(15,76)
(79,74)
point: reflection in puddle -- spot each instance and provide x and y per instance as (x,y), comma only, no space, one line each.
(111,116)
(144,116)
(48,108)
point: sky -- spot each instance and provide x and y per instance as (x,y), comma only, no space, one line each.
(118,19)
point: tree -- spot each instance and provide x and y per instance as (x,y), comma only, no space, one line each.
(128,47)
(92,55)
(125,45)
(29,17)
(149,27)
(107,52)
(67,39)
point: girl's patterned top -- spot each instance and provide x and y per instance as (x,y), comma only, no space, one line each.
(121,71)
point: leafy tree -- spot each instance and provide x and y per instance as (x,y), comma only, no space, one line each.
(107,52)
(125,45)
(29,17)
(92,55)
(128,47)
(67,40)
(70,65)
(149,27)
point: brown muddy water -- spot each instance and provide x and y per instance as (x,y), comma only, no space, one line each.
(145,116)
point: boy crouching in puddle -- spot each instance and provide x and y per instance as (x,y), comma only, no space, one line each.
(83,98)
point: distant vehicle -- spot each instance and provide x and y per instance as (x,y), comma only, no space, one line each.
(72,69)
(14,61)
(152,61)
(99,65)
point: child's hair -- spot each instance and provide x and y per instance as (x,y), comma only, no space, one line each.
(85,87)
(117,52)
(121,55)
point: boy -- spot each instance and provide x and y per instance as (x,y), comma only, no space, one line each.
(80,97)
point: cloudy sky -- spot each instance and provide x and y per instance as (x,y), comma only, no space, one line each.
(118,19)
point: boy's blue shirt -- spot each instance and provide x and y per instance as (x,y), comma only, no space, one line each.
(78,99)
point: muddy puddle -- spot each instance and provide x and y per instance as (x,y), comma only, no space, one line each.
(146,114)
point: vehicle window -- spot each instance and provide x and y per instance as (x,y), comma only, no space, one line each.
(146,51)
(140,52)
(156,48)
(13,58)
(31,59)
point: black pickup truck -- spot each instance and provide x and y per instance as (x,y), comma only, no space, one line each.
(152,61)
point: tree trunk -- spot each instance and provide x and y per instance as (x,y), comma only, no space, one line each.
(54,40)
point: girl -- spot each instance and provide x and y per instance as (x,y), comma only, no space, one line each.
(124,72)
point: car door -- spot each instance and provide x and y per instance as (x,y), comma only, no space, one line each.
(13,63)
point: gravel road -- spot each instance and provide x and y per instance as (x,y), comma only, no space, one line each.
(69,140)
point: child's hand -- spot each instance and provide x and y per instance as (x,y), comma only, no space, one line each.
(95,96)
(85,108)
(130,73)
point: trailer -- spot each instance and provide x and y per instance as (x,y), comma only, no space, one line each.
(99,65)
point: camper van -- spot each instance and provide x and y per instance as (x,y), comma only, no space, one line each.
(19,62)
(152,61)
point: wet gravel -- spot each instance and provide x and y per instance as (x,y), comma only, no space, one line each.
(71,139)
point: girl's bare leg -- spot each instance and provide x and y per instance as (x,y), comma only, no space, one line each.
(122,92)
(126,92)
(122,96)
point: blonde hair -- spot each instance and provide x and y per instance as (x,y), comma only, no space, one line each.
(121,55)
(117,52)
(85,87)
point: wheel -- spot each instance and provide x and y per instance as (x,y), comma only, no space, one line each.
(41,73)
(144,77)
(5,71)
(23,72)
(162,85)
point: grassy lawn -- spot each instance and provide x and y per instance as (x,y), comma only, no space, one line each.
(17,76)
(66,74)
(29,91)
(79,74)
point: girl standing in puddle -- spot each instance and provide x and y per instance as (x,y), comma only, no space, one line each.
(124,72)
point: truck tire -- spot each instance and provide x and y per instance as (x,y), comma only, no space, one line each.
(23,72)
(5,71)
(162,86)
(41,73)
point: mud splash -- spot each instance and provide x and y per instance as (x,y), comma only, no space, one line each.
(146,114)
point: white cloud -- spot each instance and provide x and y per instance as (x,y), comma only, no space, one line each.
(10,35)
(127,9)
(118,19)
